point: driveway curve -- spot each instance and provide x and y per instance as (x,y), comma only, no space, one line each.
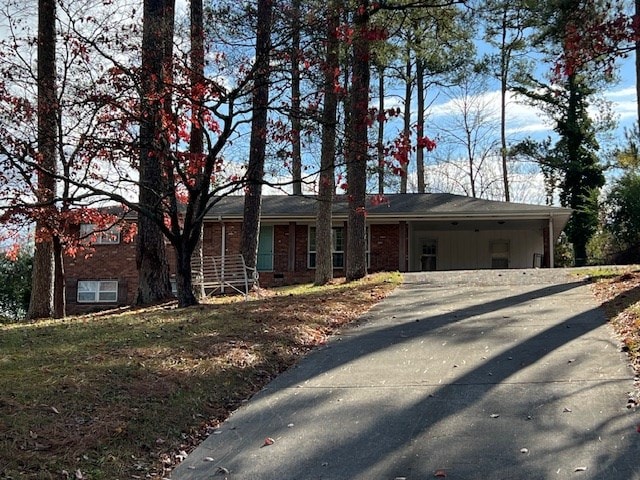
(502,374)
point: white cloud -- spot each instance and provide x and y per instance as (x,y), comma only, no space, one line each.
(521,118)
(524,119)
(624,103)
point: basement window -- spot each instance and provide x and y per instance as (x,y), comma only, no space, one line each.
(97,291)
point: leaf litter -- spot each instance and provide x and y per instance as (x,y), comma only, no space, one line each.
(117,374)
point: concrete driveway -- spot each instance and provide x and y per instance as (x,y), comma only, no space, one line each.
(472,375)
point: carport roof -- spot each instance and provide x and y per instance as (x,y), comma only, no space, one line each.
(406,206)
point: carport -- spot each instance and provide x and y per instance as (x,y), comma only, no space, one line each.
(479,241)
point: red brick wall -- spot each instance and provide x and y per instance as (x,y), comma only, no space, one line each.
(107,262)
(384,247)
(118,262)
(212,238)
(281,240)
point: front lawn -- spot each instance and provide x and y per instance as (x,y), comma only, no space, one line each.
(123,395)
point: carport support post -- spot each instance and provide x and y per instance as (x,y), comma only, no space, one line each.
(402,247)
(551,252)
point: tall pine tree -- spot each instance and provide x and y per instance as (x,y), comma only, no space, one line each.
(157,48)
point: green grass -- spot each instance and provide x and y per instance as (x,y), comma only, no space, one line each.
(116,396)
(597,273)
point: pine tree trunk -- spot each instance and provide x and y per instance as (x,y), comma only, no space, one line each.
(326,187)
(381,122)
(296,121)
(358,147)
(257,147)
(407,120)
(196,140)
(151,258)
(420,126)
(42,283)
(196,144)
(504,72)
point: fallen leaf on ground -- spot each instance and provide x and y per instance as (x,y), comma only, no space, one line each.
(181,455)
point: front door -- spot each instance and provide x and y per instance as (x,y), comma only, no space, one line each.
(265,249)
(499,253)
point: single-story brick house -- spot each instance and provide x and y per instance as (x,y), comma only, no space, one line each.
(406,232)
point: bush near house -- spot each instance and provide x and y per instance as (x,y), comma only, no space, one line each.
(15,286)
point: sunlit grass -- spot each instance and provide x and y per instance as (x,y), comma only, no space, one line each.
(606,271)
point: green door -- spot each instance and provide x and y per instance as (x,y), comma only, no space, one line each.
(265,249)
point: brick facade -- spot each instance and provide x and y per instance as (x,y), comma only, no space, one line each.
(107,262)
(384,247)
(290,259)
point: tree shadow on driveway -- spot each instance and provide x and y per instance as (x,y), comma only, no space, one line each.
(499,382)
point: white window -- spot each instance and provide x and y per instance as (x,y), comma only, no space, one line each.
(97,291)
(88,234)
(337,247)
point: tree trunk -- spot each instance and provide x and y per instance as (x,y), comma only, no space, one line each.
(357,153)
(407,120)
(503,138)
(151,258)
(420,124)
(504,72)
(41,302)
(381,122)
(471,163)
(59,296)
(296,123)
(257,147)
(42,283)
(324,256)
(184,285)
(196,144)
